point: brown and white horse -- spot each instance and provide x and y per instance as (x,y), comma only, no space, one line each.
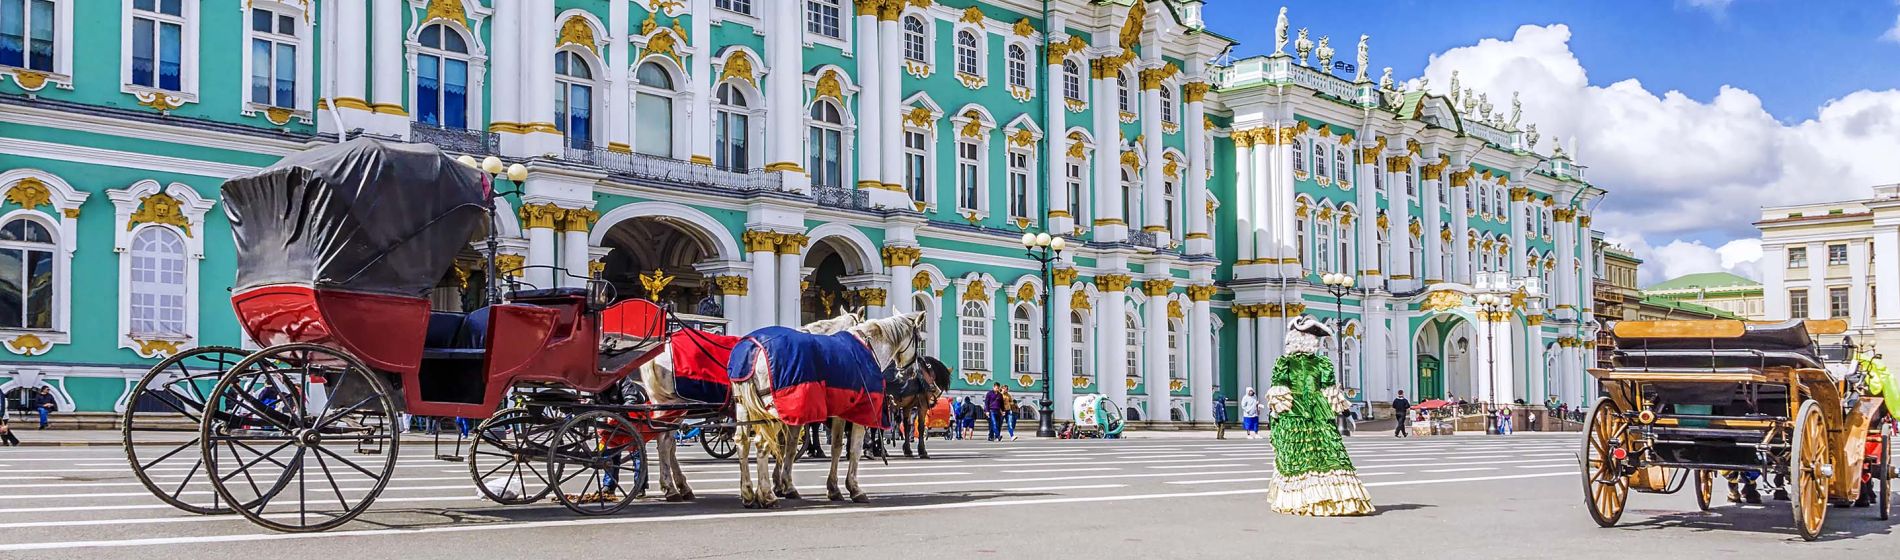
(893,341)
(656,377)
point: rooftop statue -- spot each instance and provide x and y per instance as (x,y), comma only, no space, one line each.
(1279,33)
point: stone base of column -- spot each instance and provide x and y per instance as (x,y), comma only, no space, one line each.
(1200,244)
(349,116)
(528,140)
(1111,232)
(884,198)
(791,177)
(1062,225)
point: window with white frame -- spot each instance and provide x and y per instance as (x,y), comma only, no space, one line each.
(1019,340)
(1384,249)
(731,125)
(1175,371)
(1471,200)
(1018,184)
(969,166)
(1079,344)
(1016,66)
(1340,169)
(822,18)
(1411,182)
(1320,168)
(968,59)
(916,164)
(826,145)
(1378,180)
(1071,80)
(975,340)
(653,110)
(1131,340)
(1299,244)
(1167,104)
(916,40)
(1323,248)
(1484,199)
(27,278)
(1416,251)
(442,78)
(1346,253)
(1444,196)
(158,283)
(1299,155)
(158,43)
(574,99)
(734,6)
(1502,201)
(1124,93)
(274,45)
(1130,197)
(1168,206)
(27,29)
(1075,171)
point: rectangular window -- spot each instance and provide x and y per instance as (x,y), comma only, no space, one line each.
(26,289)
(738,6)
(1018,185)
(1075,191)
(966,176)
(158,29)
(1078,354)
(26,34)
(273,58)
(1797,304)
(1837,303)
(821,17)
(1019,350)
(1836,255)
(827,159)
(1797,257)
(914,164)
(975,348)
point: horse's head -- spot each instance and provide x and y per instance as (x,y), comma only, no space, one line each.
(935,372)
(902,336)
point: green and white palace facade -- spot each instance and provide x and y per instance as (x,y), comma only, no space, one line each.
(781,159)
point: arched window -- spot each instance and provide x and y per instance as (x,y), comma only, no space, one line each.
(442,78)
(158,283)
(1175,371)
(1504,202)
(1323,248)
(1411,181)
(1299,155)
(916,43)
(826,145)
(1131,343)
(1123,93)
(1346,253)
(1016,66)
(1076,171)
(574,99)
(1018,184)
(1339,163)
(1078,348)
(26,34)
(1416,251)
(1320,168)
(26,275)
(1071,80)
(975,339)
(1167,104)
(1168,202)
(969,164)
(1299,244)
(731,123)
(1019,340)
(967,53)
(653,110)
(1471,200)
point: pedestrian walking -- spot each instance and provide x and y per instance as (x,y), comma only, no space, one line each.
(1250,414)
(6,434)
(1009,413)
(956,421)
(1504,420)
(970,412)
(1220,415)
(1399,408)
(45,405)
(992,406)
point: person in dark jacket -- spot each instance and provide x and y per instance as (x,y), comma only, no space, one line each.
(1400,407)
(993,407)
(6,434)
(1220,415)
(969,417)
(956,421)
(45,405)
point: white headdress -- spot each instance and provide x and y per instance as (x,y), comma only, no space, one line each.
(1303,334)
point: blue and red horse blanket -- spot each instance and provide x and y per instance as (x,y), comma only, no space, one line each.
(699,365)
(815,377)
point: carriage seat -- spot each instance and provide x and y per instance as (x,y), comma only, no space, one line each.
(456,335)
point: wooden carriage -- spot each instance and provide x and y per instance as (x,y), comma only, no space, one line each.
(1689,400)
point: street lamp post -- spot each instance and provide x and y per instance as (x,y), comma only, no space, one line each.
(1339,284)
(1045,249)
(492,170)
(1490,307)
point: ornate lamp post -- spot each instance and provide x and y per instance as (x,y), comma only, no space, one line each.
(493,171)
(1339,284)
(1045,249)
(1497,295)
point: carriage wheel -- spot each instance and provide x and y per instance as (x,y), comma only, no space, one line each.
(1704,488)
(285,433)
(597,463)
(180,383)
(717,441)
(1883,477)
(1805,465)
(512,445)
(1605,489)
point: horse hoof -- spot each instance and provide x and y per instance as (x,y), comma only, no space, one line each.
(674,498)
(769,505)
(860,498)
(923,455)
(686,495)
(791,495)
(836,496)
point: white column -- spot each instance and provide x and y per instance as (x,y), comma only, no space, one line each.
(1273,199)
(1774,273)
(1886,268)
(1111,364)
(871,140)
(537,102)
(733,302)
(1586,278)
(541,219)
(1269,344)
(386,57)
(1857,252)
(762,248)
(791,276)
(352,51)
(504,62)
(1565,292)
(619,57)
(702,75)
(1153,214)
(1200,353)
(1244,352)
(1244,192)
(574,248)
(1372,381)
(1817,280)
(1460,234)
(1372,271)
(1054,131)
(1108,226)
(1539,387)
(1432,222)
(1199,241)
(890,95)
(1266,232)
(900,290)
(1155,359)
(1061,343)
(1520,220)
(785,91)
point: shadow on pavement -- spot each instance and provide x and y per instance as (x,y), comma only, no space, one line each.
(1842,523)
(652,507)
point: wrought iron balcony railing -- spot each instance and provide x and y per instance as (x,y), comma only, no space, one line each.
(841,197)
(455,140)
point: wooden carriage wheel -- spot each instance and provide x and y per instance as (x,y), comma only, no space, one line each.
(1605,489)
(1808,465)
(1704,488)
(1883,479)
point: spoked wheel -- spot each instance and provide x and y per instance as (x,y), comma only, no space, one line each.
(508,456)
(1704,488)
(717,441)
(1808,464)
(301,436)
(174,471)
(1605,489)
(1883,476)
(597,463)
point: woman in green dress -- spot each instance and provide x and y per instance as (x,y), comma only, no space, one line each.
(1315,475)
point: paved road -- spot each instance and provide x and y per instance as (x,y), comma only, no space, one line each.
(1464,497)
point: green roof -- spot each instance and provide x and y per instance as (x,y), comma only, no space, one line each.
(1689,307)
(1704,281)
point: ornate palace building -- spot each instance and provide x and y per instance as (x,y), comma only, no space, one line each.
(780,159)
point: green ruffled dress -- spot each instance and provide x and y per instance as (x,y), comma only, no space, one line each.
(1316,477)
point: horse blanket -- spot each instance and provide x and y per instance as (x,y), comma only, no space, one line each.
(699,365)
(815,377)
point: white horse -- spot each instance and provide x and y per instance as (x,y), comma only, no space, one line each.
(893,341)
(656,376)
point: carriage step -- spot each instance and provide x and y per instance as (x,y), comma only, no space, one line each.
(450,458)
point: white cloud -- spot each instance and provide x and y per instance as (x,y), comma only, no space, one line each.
(1677,167)
(1678,257)
(1893,34)
(1714,6)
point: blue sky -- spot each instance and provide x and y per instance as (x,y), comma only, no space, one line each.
(1694,114)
